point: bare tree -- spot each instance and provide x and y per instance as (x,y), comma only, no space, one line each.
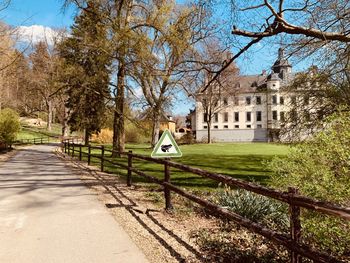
(220,93)
(308,27)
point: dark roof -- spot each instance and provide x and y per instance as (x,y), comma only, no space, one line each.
(249,83)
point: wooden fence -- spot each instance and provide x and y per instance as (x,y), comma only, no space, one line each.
(39,140)
(291,241)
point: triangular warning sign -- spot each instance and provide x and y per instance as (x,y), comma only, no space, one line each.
(166,146)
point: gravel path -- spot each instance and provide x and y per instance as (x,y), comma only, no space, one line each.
(48,215)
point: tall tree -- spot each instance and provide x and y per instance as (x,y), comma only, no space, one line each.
(6,59)
(42,79)
(169,58)
(86,75)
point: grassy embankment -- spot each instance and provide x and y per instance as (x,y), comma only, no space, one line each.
(239,160)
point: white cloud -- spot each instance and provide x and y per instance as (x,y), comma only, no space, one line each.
(36,33)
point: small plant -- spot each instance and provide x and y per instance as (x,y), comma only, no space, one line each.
(255,207)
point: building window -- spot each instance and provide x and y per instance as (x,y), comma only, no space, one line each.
(281,100)
(282,116)
(236,100)
(216,117)
(205,117)
(225,126)
(248,100)
(258,100)
(205,127)
(225,102)
(248,116)
(216,127)
(236,126)
(236,116)
(274,115)
(259,126)
(225,116)
(258,116)
(249,126)
(274,99)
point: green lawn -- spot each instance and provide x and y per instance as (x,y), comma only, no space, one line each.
(239,160)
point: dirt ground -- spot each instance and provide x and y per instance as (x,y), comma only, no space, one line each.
(162,236)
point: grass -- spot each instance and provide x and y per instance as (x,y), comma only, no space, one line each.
(239,160)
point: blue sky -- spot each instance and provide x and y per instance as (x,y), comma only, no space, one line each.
(49,13)
(37,12)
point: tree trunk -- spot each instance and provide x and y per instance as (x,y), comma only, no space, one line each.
(118,121)
(49,115)
(65,127)
(86,137)
(209,131)
(155,127)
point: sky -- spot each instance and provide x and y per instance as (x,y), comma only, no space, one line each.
(47,13)
(37,18)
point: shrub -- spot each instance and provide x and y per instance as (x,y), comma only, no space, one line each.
(320,168)
(104,136)
(9,126)
(255,207)
(187,139)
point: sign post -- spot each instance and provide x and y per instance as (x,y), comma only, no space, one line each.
(166,147)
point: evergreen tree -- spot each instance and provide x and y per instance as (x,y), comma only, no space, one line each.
(87,62)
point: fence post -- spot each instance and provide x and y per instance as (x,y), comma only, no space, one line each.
(168,205)
(128,179)
(68,147)
(295,226)
(79,152)
(102,157)
(65,146)
(73,149)
(89,154)
(34,140)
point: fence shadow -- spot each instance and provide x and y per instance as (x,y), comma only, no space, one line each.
(113,188)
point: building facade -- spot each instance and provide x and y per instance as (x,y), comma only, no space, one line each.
(255,112)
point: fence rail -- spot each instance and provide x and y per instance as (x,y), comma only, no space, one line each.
(39,140)
(291,241)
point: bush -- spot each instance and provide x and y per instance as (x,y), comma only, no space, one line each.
(187,139)
(104,136)
(320,168)
(9,126)
(255,207)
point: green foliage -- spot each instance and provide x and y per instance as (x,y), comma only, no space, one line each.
(320,168)
(186,139)
(86,70)
(9,125)
(134,133)
(255,207)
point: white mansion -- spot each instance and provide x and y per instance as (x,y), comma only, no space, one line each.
(255,112)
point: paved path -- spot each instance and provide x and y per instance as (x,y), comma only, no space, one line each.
(47,215)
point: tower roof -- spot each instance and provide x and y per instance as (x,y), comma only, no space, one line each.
(281,62)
